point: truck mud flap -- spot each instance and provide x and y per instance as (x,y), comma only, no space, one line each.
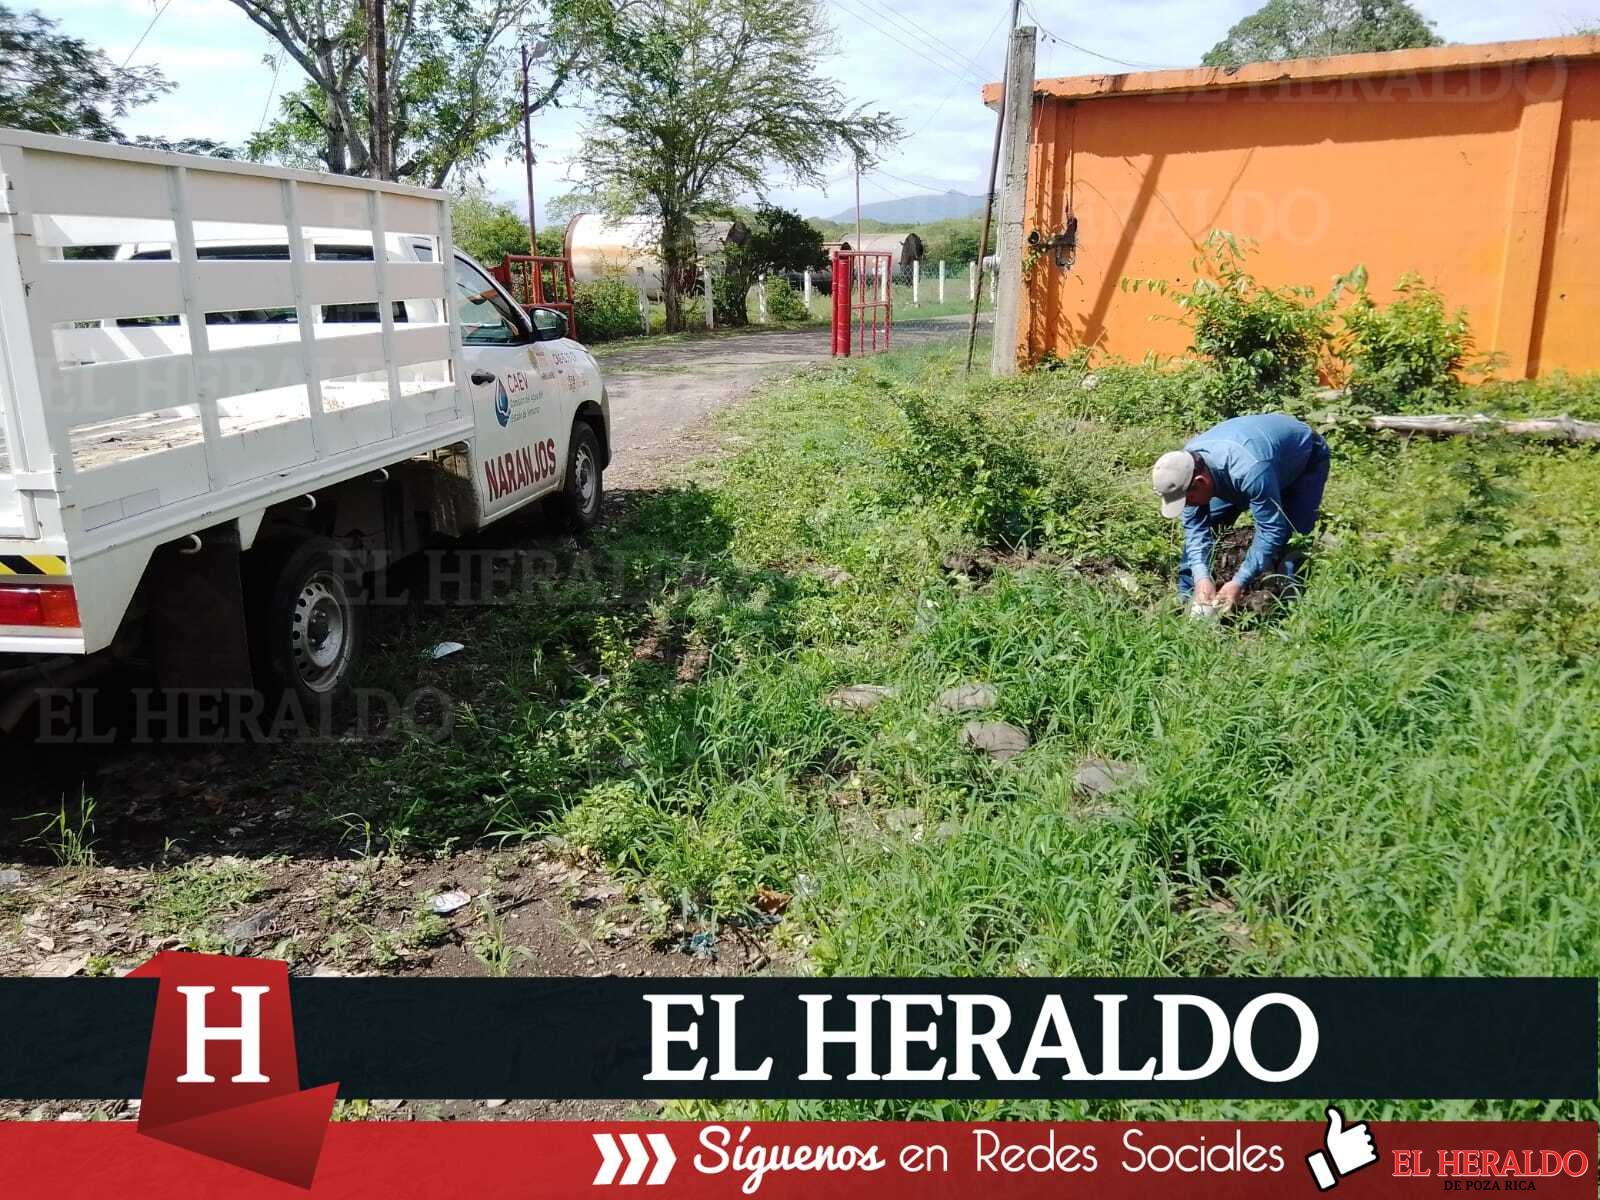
(196,614)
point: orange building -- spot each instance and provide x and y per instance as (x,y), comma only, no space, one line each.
(1476,166)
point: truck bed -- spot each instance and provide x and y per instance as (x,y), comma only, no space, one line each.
(118,435)
(111,442)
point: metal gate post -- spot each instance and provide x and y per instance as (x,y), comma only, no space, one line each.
(841,305)
(888,297)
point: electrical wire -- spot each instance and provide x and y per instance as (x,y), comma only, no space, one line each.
(933,58)
(929,36)
(146,33)
(1110,58)
(950,95)
(900,179)
(277,63)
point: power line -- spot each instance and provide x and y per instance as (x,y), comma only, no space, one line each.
(277,63)
(933,58)
(969,65)
(893,195)
(145,34)
(1110,58)
(971,60)
(950,95)
(900,179)
(926,48)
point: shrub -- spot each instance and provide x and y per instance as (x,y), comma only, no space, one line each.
(1408,356)
(783,302)
(1138,393)
(729,299)
(1263,344)
(606,309)
(957,456)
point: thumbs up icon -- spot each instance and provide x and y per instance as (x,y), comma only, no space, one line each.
(1349,1147)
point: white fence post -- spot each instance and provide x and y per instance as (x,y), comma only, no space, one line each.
(885,279)
(807,281)
(644,299)
(994,281)
(941,281)
(916,283)
(972,280)
(711,320)
(761,297)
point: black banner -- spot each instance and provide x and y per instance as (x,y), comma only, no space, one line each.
(929,1038)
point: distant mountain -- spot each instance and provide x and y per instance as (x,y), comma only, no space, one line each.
(916,210)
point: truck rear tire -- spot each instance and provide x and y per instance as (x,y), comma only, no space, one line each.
(584,487)
(308,633)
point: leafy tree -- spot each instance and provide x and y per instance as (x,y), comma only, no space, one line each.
(779,240)
(1283,29)
(486,229)
(52,83)
(953,240)
(698,101)
(552,240)
(454,86)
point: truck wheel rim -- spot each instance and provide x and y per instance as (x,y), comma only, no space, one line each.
(319,634)
(584,470)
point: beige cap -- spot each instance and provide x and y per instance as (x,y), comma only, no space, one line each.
(1171,477)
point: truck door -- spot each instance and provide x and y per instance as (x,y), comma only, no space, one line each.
(519,436)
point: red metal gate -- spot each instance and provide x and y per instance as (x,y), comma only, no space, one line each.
(538,281)
(863,304)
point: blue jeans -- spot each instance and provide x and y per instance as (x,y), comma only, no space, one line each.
(1302,504)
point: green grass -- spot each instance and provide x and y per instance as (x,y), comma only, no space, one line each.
(186,901)
(1400,775)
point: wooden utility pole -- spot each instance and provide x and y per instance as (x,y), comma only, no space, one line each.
(988,208)
(378,81)
(527,154)
(1013,200)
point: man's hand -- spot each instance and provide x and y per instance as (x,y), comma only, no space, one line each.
(1205,592)
(1230,594)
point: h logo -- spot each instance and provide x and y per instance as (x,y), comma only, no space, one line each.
(247,1033)
(258,1119)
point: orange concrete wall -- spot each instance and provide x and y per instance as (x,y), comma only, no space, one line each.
(1486,181)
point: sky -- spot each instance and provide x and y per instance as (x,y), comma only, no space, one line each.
(922,60)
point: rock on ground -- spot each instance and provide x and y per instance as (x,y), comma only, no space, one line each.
(859,697)
(1000,741)
(1105,776)
(969,697)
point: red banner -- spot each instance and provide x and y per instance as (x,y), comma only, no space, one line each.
(874,1161)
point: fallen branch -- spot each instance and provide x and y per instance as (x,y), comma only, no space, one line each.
(1563,428)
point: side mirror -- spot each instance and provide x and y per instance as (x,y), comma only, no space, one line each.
(548,324)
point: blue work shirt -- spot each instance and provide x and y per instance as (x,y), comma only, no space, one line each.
(1252,460)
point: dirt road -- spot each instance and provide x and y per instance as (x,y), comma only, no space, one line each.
(662,395)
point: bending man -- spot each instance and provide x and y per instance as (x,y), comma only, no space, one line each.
(1270,463)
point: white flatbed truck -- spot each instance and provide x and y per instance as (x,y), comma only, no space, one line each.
(228,392)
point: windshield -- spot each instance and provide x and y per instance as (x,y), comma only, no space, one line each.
(487,318)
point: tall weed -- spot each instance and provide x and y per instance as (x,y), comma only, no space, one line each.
(1408,355)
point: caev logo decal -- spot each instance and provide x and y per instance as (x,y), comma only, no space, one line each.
(222,1077)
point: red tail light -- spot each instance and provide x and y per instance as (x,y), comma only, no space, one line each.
(39,607)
